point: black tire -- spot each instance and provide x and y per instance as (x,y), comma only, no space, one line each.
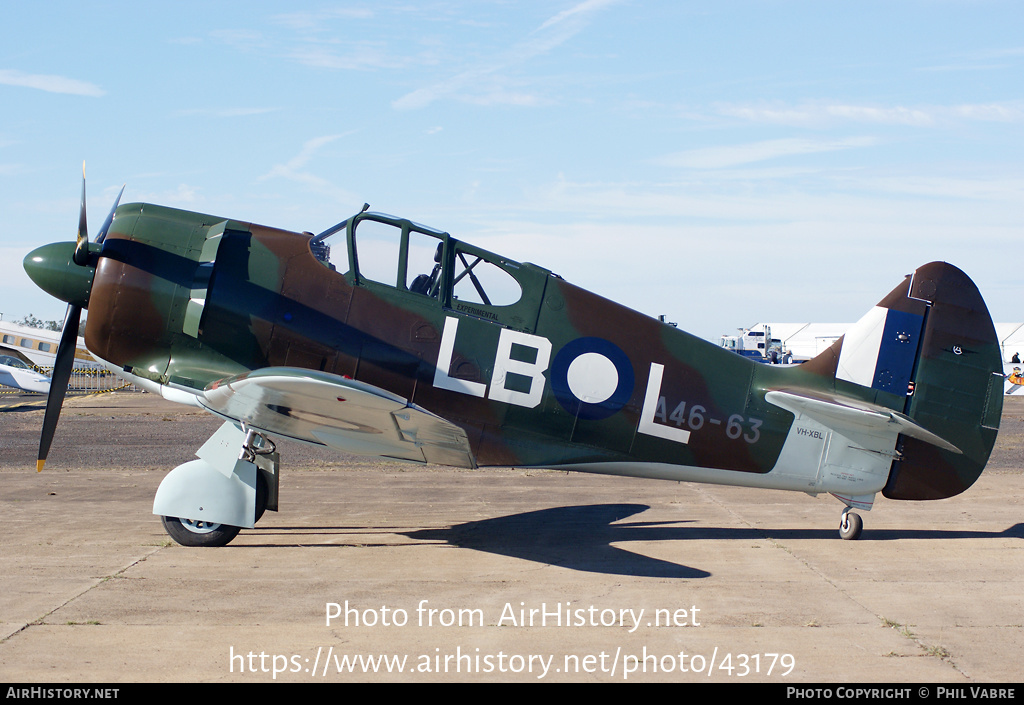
(199,533)
(850,526)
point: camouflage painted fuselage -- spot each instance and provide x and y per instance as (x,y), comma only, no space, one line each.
(559,377)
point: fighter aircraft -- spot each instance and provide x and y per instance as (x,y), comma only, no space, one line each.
(17,373)
(387,338)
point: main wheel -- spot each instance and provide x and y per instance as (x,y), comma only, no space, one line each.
(850,526)
(192,533)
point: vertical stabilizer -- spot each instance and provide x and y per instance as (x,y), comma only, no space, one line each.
(928,350)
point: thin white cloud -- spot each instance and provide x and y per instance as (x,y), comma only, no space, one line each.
(551,34)
(226,112)
(341,39)
(422,97)
(818,114)
(294,169)
(1013,51)
(991,112)
(350,56)
(1008,189)
(734,155)
(309,150)
(577,10)
(50,83)
(314,21)
(245,39)
(499,96)
(182,196)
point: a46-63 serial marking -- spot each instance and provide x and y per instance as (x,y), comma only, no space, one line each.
(696,416)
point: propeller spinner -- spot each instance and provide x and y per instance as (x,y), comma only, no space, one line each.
(65,270)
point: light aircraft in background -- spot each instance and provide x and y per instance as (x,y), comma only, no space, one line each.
(386,338)
(15,372)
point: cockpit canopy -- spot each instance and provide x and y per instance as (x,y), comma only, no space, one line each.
(376,249)
(9,361)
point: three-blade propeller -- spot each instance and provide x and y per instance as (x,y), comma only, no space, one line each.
(65,359)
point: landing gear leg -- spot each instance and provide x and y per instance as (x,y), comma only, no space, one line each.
(206,502)
(850,525)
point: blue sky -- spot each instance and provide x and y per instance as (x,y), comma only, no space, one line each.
(721,163)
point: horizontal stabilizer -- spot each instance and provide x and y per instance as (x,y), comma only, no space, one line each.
(845,416)
(342,413)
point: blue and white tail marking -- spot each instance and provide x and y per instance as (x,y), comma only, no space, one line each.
(879,351)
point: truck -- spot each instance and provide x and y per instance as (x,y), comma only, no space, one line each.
(758,344)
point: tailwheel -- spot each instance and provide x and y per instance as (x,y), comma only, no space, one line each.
(850,526)
(189,532)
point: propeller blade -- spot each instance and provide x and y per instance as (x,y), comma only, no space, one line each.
(110,218)
(62,367)
(82,244)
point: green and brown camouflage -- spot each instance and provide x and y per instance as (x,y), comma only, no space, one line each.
(287,332)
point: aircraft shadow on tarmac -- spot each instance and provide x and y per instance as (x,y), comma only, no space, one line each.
(581,538)
(577,537)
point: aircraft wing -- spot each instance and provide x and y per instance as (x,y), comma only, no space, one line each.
(338,412)
(844,415)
